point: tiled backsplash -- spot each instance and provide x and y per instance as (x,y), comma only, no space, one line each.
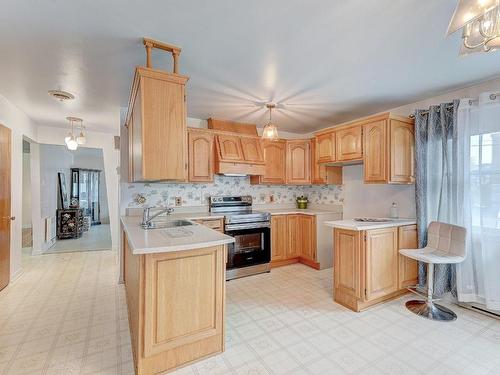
(163,194)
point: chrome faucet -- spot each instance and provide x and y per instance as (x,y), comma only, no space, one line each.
(147,218)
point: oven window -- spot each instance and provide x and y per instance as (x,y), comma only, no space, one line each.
(245,243)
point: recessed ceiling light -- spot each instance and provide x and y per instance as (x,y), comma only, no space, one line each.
(61,95)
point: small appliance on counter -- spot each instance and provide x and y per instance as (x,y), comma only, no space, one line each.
(250,254)
(302,202)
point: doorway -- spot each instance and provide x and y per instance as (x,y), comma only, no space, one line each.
(27,227)
(74,199)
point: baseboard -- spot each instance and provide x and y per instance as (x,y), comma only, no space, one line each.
(309,262)
(284,262)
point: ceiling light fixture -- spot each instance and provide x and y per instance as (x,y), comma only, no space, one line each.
(61,95)
(480,24)
(270,131)
(71,141)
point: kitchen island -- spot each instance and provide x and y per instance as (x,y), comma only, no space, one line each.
(175,287)
(367,267)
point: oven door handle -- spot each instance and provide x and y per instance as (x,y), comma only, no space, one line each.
(230,227)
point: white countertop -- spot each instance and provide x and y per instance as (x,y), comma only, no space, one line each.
(170,239)
(307,211)
(361,225)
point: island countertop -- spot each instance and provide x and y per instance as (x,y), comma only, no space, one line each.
(164,240)
(351,224)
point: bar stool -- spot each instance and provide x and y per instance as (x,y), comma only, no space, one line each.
(445,245)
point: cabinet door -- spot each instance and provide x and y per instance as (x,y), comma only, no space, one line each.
(279,237)
(275,158)
(307,236)
(294,240)
(229,148)
(408,268)
(164,129)
(130,154)
(136,159)
(299,162)
(348,263)
(402,150)
(252,150)
(375,152)
(322,174)
(201,156)
(381,251)
(349,143)
(326,147)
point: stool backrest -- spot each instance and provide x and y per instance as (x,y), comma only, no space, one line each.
(447,238)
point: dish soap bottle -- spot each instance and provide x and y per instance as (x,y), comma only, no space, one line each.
(394,211)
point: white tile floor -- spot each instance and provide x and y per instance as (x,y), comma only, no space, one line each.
(67,315)
(98,237)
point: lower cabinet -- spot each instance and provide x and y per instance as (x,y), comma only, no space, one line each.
(293,239)
(175,306)
(368,268)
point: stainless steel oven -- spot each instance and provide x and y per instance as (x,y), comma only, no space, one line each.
(251,252)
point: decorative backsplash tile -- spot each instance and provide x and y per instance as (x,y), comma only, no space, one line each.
(163,194)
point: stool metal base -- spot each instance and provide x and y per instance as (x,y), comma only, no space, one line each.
(431,311)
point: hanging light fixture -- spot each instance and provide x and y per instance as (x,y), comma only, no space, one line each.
(81,140)
(70,140)
(480,24)
(270,131)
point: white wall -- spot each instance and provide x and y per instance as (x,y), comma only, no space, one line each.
(20,124)
(104,141)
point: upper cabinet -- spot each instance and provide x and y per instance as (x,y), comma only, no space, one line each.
(229,148)
(325,147)
(375,151)
(384,143)
(201,156)
(298,162)
(156,122)
(157,126)
(402,151)
(389,149)
(349,143)
(236,154)
(322,174)
(275,159)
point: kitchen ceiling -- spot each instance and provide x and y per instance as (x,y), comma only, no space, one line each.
(322,61)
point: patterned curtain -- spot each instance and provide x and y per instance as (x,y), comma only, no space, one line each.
(436,181)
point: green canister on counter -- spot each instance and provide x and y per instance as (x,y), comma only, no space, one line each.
(302,202)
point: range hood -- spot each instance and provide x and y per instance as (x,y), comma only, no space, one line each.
(239,155)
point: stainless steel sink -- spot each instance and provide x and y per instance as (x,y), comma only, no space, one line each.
(373,219)
(162,224)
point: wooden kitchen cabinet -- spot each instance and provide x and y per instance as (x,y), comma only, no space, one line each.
(349,143)
(156,122)
(381,257)
(389,150)
(201,156)
(298,167)
(279,237)
(321,173)
(275,159)
(229,148)
(252,150)
(348,265)
(325,145)
(307,237)
(176,303)
(402,151)
(215,224)
(375,151)
(294,240)
(368,268)
(408,268)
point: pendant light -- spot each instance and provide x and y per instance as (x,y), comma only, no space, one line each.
(70,140)
(81,140)
(270,131)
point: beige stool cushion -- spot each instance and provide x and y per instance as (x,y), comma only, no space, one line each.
(445,244)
